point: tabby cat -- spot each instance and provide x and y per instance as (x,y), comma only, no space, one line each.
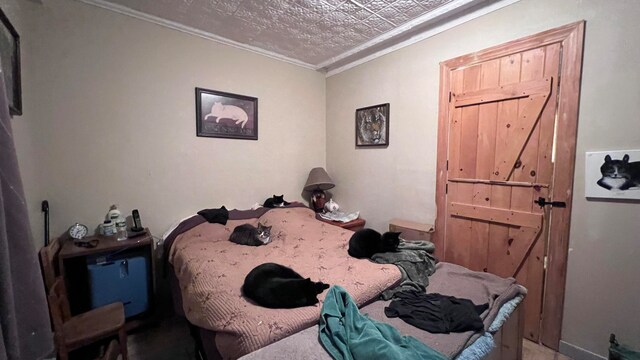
(619,174)
(366,242)
(247,234)
(279,287)
(275,201)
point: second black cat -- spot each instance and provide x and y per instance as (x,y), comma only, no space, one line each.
(275,201)
(279,287)
(366,242)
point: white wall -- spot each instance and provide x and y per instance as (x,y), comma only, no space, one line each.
(603,270)
(109,117)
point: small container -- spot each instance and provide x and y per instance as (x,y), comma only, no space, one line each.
(114,214)
(121,230)
(108,228)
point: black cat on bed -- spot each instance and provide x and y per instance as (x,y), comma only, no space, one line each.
(279,287)
(275,201)
(366,242)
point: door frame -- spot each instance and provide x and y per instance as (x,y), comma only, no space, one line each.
(571,38)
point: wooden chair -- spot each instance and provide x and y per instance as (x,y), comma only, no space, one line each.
(73,332)
(112,351)
(48,262)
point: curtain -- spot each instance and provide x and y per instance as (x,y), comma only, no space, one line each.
(25,331)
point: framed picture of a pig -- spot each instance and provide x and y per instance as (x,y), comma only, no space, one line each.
(225,115)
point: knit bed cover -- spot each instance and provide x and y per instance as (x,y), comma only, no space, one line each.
(211,269)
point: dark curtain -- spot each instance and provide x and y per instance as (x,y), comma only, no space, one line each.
(24,318)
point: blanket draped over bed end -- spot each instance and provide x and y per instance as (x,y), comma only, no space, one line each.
(416,263)
(346,334)
(211,269)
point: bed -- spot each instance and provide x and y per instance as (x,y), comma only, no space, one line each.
(206,272)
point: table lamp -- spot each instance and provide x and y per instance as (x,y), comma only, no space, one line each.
(317,182)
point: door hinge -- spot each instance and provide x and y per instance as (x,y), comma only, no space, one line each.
(447,165)
(545,262)
(449,96)
(446,188)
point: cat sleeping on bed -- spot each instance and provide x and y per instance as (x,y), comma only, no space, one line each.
(275,201)
(247,234)
(366,242)
(279,287)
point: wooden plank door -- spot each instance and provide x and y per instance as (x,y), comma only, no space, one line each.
(502,121)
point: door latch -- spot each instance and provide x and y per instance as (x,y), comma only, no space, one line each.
(542,202)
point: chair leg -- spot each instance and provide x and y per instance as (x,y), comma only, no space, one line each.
(122,337)
(63,354)
(60,347)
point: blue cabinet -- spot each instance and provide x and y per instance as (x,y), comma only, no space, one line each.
(123,279)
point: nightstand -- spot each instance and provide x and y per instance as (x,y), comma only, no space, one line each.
(353,225)
(412,230)
(75,262)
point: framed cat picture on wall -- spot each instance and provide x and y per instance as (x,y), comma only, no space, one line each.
(226,115)
(613,174)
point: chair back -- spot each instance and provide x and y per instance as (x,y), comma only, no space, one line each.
(58,305)
(48,262)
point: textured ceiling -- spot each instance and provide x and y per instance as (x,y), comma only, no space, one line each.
(313,33)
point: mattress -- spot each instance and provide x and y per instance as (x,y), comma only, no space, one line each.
(502,295)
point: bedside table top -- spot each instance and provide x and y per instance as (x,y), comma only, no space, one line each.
(105,244)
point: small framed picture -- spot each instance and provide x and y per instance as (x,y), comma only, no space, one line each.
(10,59)
(372,126)
(613,174)
(225,115)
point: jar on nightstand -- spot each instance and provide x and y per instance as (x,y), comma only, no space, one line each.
(108,228)
(121,230)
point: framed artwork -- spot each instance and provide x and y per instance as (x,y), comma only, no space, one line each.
(372,126)
(10,60)
(613,174)
(225,115)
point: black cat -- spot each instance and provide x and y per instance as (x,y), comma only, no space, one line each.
(366,242)
(275,201)
(279,287)
(619,174)
(247,234)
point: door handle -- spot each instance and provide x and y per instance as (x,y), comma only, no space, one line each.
(543,202)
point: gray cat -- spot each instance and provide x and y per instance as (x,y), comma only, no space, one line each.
(247,234)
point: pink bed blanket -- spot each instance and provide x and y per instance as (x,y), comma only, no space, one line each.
(211,270)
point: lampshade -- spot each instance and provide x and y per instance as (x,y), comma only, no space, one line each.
(318,180)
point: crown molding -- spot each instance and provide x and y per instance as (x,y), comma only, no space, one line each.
(414,31)
(193,31)
(419,33)
(400,30)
